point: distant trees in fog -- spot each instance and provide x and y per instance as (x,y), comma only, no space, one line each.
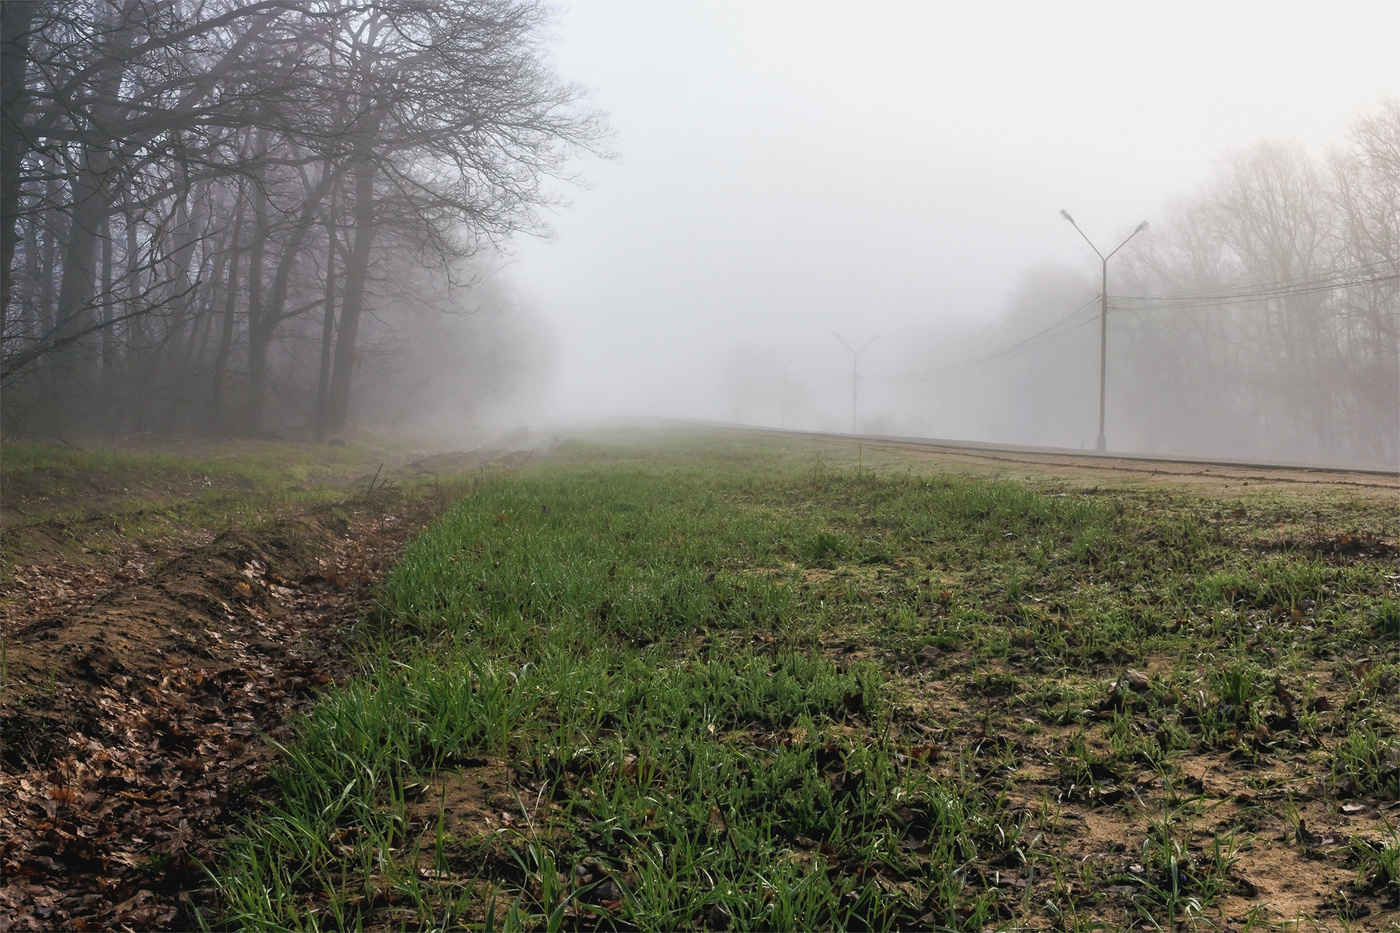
(1265,313)
(1259,319)
(204,201)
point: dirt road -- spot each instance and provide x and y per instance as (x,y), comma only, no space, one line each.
(1086,466)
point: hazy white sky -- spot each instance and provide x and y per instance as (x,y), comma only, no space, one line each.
(790,169)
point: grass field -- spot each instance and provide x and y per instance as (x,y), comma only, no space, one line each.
(745,683)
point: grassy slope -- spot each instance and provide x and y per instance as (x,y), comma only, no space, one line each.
(132,578)
(747,686)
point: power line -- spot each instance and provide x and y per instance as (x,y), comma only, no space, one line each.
(1018,348)
(1276,283)
(1330,280)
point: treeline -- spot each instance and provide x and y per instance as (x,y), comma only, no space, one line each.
(209,206)
(1262,317)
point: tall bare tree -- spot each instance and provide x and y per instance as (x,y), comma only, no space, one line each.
(185,180)
(1270,306)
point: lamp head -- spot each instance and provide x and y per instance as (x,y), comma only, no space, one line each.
(1065,215)
(1140,227)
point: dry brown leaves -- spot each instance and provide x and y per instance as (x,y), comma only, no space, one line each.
(139,699)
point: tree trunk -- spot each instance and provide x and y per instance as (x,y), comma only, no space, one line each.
(352,305)
(257,344)
(327,326)
(68,389)
(16,21)
(108,339)
(216,401)
(274,311)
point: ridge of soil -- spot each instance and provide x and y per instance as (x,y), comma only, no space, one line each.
(140,689)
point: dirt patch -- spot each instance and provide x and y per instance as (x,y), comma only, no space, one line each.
(1291,835)
(467,462)
(217,606)
(477,801)
(142,681)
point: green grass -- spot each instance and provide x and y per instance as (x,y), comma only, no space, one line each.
(261,463)
(83,504)
(104,514)
(734,685)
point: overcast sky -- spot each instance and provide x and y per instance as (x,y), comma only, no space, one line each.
(787,170)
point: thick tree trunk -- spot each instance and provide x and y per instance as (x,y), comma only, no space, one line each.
(16,22)
(352,305)
(72,394)
(69,392)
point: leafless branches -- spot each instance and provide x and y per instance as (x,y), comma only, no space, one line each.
(185,180)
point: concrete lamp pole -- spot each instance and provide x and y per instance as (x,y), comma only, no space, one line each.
(855,371)
(1102,444)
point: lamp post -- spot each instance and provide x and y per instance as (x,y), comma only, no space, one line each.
(855,371)
(1102,444)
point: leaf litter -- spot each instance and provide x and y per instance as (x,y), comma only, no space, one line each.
(141,688)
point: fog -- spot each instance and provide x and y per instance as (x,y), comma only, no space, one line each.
(292,221)
(789,171)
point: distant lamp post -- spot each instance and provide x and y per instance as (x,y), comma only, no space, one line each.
(1103,319)
(855,371)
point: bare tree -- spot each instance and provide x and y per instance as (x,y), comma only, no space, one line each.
(186,180)
(458,123)
(1268,313)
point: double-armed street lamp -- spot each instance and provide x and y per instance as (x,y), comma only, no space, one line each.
(1103,319)
(855,371)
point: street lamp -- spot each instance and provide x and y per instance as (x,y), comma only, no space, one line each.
(855,371)
(1103,318)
